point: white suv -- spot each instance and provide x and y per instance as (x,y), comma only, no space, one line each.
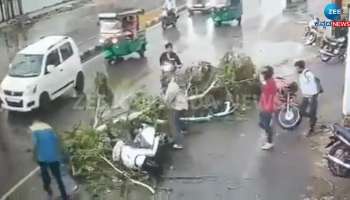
(42,72)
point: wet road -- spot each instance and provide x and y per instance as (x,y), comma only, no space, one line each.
(227,151)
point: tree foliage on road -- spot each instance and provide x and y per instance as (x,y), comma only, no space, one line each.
(235,75)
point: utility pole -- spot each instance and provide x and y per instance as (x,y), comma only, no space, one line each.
(346,96)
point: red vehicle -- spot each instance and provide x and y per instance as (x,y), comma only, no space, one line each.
(289,115)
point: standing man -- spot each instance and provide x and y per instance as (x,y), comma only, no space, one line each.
(267,104)
(310,88)
(48,156)
(177,101)
(170,56)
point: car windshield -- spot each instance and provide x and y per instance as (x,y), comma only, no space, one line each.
(110,26)
(25,65)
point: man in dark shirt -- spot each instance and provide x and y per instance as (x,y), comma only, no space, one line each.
(170,56)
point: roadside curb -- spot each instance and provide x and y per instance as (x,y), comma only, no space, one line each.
(97,49)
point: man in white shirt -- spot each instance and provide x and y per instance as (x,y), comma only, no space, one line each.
(310,91)
(177,101)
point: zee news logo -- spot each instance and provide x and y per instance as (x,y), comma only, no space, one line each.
(333,13)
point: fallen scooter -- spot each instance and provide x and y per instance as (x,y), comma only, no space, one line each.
(142,153)
(338,156)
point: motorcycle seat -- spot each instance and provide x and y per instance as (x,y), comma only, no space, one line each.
(337,40)
(342,131)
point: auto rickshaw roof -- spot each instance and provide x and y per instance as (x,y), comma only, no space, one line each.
(121,14)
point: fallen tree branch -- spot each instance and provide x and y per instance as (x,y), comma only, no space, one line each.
(188,177)
(194,97)
(149,188)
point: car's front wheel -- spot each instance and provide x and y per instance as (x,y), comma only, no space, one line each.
(44,102)
(79,83)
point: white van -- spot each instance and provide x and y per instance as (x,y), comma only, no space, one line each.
(42,72)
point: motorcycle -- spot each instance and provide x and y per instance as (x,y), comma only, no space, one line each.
(289,114)
(142,153)
(333,47)
(312,32)
(168,18)
(167,70)
(338,156)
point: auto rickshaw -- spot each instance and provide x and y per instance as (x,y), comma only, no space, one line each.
(203,6)
(120,34)
(228,11)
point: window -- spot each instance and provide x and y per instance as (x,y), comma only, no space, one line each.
(66,51)
(25,65)
(53,58)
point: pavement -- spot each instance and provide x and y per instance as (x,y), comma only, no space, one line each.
(225,156)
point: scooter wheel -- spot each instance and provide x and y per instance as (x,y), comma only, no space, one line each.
(324,57)
(342,152)
(289,119)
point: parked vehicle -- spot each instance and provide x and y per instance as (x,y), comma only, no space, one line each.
(333,47)
(227,12)
(42,72)
(202,6)
(168,18)
(289,114)
(120,35)
(339,153)
(312,32)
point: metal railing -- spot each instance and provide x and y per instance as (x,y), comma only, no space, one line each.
(9,9)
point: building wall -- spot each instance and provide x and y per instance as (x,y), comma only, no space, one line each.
(33,5)
(345,4)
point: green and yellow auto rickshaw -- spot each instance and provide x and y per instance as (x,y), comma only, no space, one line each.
(120,34)
(227,11)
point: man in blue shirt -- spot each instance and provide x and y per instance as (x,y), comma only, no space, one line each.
(48,156)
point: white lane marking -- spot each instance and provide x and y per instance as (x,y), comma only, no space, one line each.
(20,182)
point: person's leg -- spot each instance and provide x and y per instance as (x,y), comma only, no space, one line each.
(269,130)
(45,177)
(313,112)
(182,124)
(56,172)
(266,125)
(177,123)
(304,106)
